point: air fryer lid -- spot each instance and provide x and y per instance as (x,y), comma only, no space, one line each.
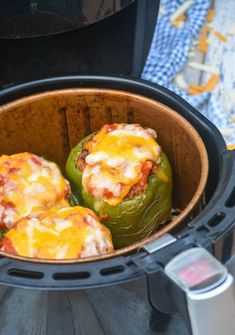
(25,18)
(50,124)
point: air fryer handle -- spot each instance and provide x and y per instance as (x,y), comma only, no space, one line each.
(209,290)
(215,223)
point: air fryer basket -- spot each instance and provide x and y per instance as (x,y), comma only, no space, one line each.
(50,124)
(64,111)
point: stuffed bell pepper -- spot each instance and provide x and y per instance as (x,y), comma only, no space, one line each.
(29,185)
(58,233)
(122,174)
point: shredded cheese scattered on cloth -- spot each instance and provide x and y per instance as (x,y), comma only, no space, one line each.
(204,67)
(210,85)
(181,10)
(171,48)
(221,37)
(180,82)
(179,21)
(203,45)
(211,15)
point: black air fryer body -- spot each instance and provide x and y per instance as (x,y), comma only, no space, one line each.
(127,294)
(40,39)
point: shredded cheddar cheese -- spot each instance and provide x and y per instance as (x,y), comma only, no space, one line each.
(181,10)
(203,45)
(210,85)
(115,160)
(180,82)
(206,29)
(192,91)
(211,15)
(28,186)
(179,21)
(203,67)
(231,146)
(64,233)
(197,87)
(221,37)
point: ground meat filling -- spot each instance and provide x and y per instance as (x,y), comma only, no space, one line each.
(147,169)
(81,164)
(140,187)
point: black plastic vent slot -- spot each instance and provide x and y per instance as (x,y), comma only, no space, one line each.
(71,275)
(203,229)
(216,219)
(112,270)
(231,199)
(25,274)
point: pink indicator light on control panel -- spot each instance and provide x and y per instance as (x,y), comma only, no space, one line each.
(196,273)
(196,270)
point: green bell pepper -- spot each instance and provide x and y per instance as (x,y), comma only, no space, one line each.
(133,219)
(2,232)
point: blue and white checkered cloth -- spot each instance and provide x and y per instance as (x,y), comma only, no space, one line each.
(169,52)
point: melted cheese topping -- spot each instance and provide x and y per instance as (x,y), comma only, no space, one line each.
(64,233)
(29,185)
(116,156)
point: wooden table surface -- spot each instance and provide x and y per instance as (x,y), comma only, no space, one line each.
(117,310)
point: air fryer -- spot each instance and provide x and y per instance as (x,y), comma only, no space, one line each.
(176,280)
(44,38)
(176,270)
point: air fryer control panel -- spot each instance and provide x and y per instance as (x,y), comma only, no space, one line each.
(209,290)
